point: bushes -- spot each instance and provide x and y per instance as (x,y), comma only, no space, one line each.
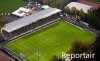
(2,20)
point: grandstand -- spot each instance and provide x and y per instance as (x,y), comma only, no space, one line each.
(30,23)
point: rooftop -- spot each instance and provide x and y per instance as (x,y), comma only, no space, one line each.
(88,2)
(79,6)
(17,24)
(21,11)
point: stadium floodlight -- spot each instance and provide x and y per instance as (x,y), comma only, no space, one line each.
(38,54)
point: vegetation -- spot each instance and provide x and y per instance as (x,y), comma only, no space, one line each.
(80,48)
(8,6)
(51,41)
(2,20)
(92,17)
(97,49)
(1,38)
(97,1)
(55,3)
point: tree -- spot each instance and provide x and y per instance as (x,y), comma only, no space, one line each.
(45,2)
(73,10)
(94,18)
(81,47)
(2,20)
(97,48)
(54,58)
(67,9)
(71,1)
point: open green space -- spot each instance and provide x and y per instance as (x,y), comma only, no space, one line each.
(8,6)
(50,41)
(97,1)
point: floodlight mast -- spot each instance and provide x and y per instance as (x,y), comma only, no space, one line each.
(38,54)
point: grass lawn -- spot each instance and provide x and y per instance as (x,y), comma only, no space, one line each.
(50,41)
(8,6)
(95,1)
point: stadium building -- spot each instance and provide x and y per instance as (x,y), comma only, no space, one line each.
(79,6)
(30,23)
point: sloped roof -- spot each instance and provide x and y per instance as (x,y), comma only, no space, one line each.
(79,6)
(30,19)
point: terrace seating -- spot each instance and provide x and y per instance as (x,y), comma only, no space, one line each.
(30,26)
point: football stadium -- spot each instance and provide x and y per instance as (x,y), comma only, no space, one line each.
(37,33)
(50,41)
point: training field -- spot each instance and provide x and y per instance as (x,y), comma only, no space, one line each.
(8,6)
(49,41)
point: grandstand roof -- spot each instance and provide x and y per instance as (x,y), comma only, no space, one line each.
(29,19)
(79,6)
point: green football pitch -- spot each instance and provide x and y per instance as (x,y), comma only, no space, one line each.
(48,42)
(8,6)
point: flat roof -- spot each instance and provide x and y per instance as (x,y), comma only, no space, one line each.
(79,6)
(45,6)
(17,24)
(21,11)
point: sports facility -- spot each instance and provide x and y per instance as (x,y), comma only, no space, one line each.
(53,40)
(8,6)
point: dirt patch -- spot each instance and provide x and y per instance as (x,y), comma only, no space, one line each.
(5,57)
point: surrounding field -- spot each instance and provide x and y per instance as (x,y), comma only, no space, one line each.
(8,6)
(50,41)
(95,1)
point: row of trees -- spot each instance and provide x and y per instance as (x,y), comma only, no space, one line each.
(73,11)
(92,17)
(55,3)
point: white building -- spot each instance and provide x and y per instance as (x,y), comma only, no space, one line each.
(21,12)
(79,6)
